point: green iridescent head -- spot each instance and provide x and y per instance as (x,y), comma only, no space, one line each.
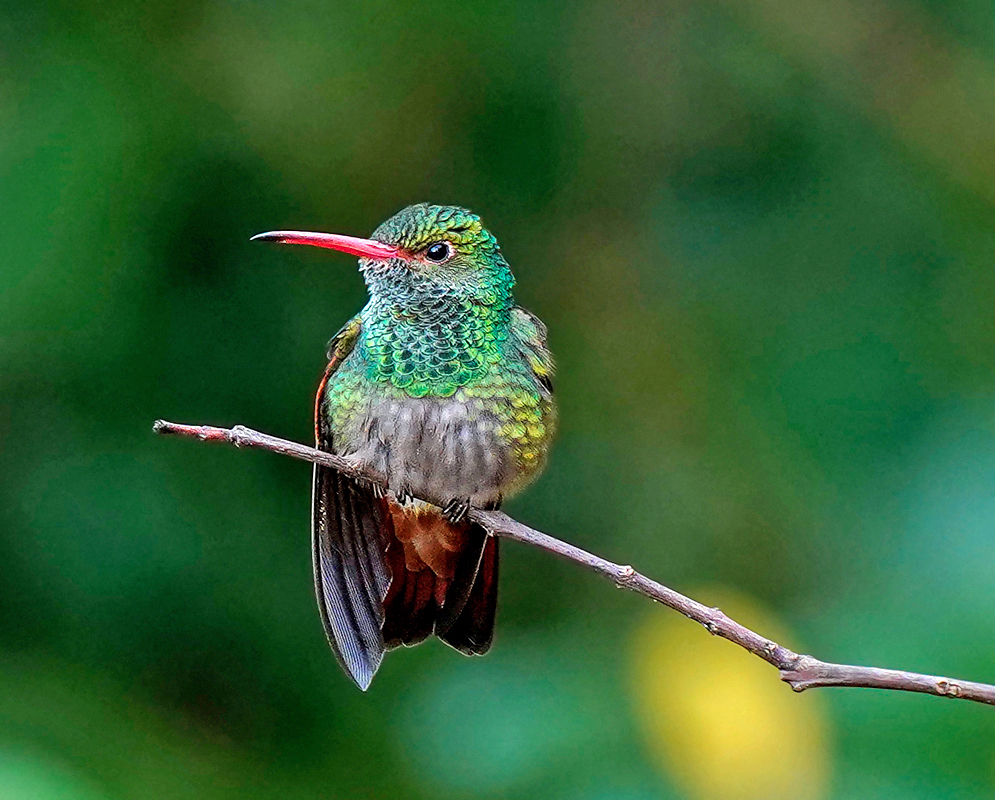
(439,250)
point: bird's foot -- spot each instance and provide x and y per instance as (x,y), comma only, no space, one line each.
(403,495)
(368,483)
(456,509)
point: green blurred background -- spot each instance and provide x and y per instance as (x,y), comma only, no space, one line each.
(761,235)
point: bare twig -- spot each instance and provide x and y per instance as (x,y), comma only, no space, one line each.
(801,672)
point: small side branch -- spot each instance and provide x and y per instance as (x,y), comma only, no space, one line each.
(801,672)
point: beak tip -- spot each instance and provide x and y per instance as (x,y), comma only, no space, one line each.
(270,236)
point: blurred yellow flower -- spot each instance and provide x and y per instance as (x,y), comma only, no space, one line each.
(718,719)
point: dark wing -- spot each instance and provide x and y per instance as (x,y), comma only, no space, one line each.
(349,529)
(472,631)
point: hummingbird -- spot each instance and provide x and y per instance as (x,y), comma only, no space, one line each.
(441,387)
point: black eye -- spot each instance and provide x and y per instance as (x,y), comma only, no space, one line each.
(438,252)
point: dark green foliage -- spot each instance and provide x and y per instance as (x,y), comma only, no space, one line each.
(762,241)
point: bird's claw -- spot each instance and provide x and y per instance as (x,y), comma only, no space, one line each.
(403,495)
(456,509)
(369,484)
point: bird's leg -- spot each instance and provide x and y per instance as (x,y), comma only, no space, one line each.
(456,509)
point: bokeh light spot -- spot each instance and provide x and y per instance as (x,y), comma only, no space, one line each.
(717,719)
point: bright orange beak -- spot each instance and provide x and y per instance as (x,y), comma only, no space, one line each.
(364,248)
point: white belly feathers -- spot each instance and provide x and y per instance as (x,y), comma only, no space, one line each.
(435,449)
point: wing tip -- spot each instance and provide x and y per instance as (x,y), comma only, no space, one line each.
(362,677)
(358,661)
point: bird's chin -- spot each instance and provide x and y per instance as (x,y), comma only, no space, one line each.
(392,270)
